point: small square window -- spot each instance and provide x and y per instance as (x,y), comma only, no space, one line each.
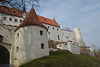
(17,49)
(4,18)
(67,37)
(48,27)
(10,19)
(20,21)
(49,33)
(15,20)
(17,35)
(42,46)
(44,19)
(57,29)
(53,28)
(41,32)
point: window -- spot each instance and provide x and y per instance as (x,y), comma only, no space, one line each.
(14,11)
(53,28)
(17,35)
(41,32)
(1,38)
(4,18)
(20,21)
(44,19)
(58,37)
(10,19)
(42,46)
(17,49)
(57,29)
(67,37)
(15,20)
(48,27)
(49,33)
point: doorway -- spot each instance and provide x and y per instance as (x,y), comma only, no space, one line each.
(4,56)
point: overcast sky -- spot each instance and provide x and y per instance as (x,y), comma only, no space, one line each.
(84,14)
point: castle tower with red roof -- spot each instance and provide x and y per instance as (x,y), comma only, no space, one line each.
(30,40)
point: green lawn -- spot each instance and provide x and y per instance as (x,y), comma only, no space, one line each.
(64,59)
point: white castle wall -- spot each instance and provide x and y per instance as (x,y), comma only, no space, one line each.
(68,35)
(78,36)
(28,44)
(74,48)
(54,32)
(8,22)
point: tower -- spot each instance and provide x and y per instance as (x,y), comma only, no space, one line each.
(78,36)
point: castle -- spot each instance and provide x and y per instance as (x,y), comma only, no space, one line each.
(25,35)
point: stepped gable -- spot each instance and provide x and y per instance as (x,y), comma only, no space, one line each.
(31,19)
(48,21)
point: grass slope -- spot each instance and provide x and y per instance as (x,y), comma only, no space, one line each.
(64,59)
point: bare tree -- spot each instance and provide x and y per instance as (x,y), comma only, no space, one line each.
(18,4)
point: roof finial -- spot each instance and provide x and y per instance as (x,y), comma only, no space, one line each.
(33,5)
(24,9)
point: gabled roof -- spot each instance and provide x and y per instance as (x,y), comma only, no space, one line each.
(10,11)
(31,19)
(48,21)
(14,12)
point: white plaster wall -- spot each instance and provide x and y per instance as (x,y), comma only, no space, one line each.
(78,36)
(29,43)
(62,47)
(8,40)
(8,46)
(7,22)
(54,33)
(68,35)
(74,48)
(77,33)
(8,35)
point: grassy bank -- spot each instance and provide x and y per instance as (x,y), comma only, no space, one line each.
(64,59)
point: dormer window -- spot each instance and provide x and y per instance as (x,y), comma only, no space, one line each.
(44,19)
(14,11)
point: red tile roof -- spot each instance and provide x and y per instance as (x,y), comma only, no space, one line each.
(10,11)
(48,21)
(14,12)
(31,19)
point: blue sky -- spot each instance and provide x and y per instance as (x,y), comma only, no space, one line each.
(84,14)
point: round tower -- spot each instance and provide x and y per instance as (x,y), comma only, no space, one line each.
(31,40)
